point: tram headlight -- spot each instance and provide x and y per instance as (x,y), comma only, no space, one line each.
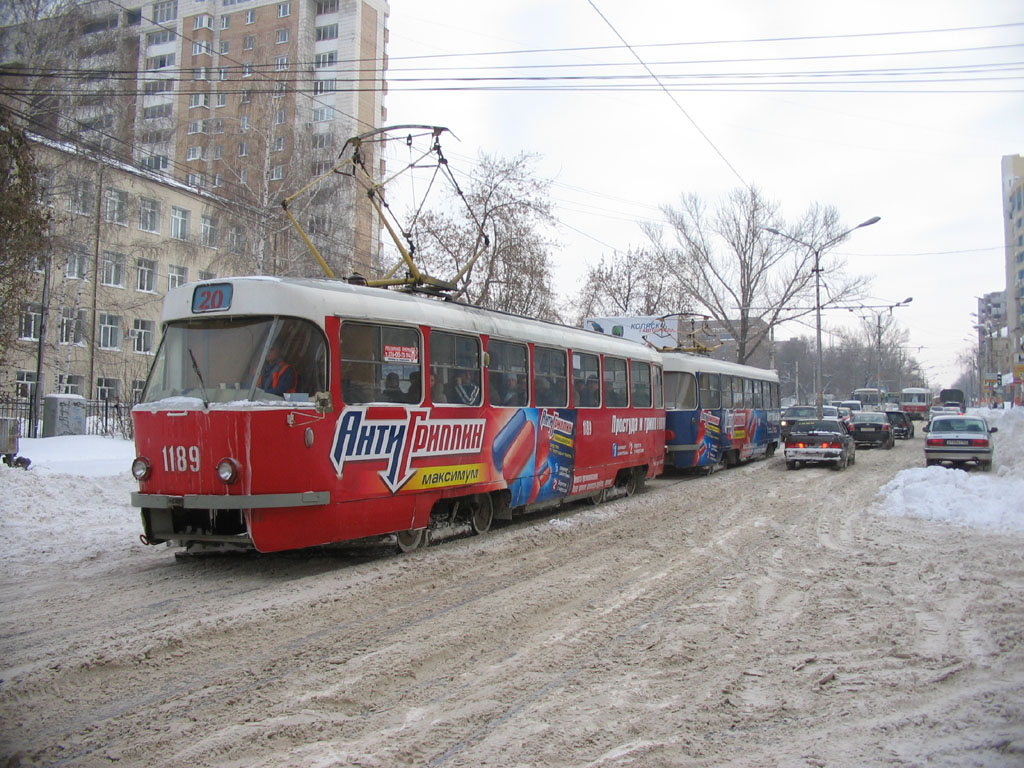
(141,468)
(227,470)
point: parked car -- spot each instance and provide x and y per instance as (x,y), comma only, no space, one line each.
(872,428)
(959,440)
(853,405)
(800,412)
(820,441)
(902,426)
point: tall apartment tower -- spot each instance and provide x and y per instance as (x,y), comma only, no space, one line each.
(249,100)
(1013,240)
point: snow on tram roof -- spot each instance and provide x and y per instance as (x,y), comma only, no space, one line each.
(684,361)
(316,298)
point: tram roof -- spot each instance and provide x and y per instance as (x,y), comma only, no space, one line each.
(316,298)
(684,361)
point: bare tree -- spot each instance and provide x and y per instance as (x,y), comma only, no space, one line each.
(509,206)
(630,284)
(23,228)
(742,276)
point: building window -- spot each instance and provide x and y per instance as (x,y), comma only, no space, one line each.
(326,6)
(243,149)
(149,215)
(325,86)
(224,49)
(322,60)
(72,325)
(160,62)
(196,180)
(250,17)
(146,280)
(322,114)
(31,321)
(246,96)
(280,116)
(281,36)
(278,145)
(200,47)
(225,21)
(208,232)
(203,21)
(222,100)
(281,64)
(243,176)
(207,275)
(112,269)
(110,331)
(243,123)
(284,9)
(236,239)
(321,140)
(77,266)
(247,70)
(165,11)
(248,42)
(156,111)
(193,153)
(218,125)
(198,100)
(25,384)
(217,180)
(197,126)
(327,32)
(176,275)
(83,197)
(115,209)
(70,384)
(142,336)
(277,173)
(138,385)
(179,223)
(160,36)
(165,85)
(107,389)
(199,73)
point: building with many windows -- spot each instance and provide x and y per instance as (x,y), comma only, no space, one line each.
(248,99)
(121,237)
(1013,240)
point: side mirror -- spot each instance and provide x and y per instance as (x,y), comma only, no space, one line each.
(925,427)
(323,402)
(993,429)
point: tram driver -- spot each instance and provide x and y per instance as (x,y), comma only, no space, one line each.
(277,375)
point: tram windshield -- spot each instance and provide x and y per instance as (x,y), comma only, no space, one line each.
(262,359)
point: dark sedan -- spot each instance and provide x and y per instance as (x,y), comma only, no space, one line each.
(820,441)
(871,428)
(902,426)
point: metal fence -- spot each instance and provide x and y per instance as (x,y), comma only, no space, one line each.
(110,418)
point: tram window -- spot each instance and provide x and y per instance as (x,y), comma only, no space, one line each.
(710,391)
(774,395)
(737,391)
(508,378)
(454,368)
(748,393)
(380,363)
(586,380)
(680,391)
(550,381)
(758,400)
(640,384)
(616,392)
(659,401)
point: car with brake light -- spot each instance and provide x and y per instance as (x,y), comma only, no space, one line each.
(819,441)
(959,440)
(797,413)
(872,428)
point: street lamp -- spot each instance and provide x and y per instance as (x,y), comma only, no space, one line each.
(817,249)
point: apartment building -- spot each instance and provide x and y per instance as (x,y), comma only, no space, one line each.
(1013,239)
(121,238)
(249,99)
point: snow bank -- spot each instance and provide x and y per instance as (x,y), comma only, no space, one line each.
(988,500)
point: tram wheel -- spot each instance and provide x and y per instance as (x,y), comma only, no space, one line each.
(631,484)
(598,498)
(411,539)
(481,513)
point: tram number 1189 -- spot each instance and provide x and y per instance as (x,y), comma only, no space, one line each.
(181,458)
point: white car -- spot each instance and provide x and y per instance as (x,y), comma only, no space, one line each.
(959,440)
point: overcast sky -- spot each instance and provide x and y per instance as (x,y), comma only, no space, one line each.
(858,105)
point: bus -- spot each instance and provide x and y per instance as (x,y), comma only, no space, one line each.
(871,398)
(718,413)
(387,414)
(915,401)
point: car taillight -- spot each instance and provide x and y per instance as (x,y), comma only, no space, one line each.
(935,441)
(885,427)
(795,445)
(979,442)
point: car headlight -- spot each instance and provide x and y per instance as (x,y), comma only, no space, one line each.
(227,470)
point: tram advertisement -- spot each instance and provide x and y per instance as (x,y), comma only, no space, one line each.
(531,450)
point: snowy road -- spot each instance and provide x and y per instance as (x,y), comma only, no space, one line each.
(755,617)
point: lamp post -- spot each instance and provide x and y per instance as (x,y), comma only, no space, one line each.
(817,249)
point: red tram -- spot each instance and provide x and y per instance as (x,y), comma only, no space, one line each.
(289,413)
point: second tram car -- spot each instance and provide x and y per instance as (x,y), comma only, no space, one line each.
(289,413)
(718,413)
